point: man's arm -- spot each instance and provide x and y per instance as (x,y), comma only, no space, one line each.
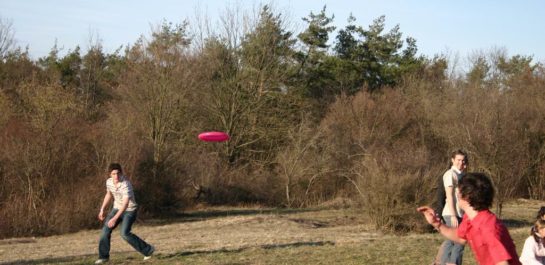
(105,202)
(432,219)
(450,205)
(120,211)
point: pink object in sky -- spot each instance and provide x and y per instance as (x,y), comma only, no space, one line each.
(213,136)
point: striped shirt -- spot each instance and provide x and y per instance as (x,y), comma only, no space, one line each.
(122,190)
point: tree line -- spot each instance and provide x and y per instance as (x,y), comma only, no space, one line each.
(360,116)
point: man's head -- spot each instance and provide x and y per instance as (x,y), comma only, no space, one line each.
(477,190)
(458,158)
(115,170)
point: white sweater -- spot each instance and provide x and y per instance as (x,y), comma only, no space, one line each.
(533,253)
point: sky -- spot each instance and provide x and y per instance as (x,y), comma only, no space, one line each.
(454,28)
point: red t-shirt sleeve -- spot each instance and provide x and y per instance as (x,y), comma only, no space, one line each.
(462,229)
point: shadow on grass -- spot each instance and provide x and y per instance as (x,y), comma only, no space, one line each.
(87,259)
(514,223)
(299,244)
(210,214)
(238,250)
(70,259)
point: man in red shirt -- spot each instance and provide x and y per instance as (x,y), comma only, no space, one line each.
(485,233)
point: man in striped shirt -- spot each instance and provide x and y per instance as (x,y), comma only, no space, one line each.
(119,188)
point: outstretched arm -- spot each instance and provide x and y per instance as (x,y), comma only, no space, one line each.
(432,219)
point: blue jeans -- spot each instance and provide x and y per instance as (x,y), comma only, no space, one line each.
(453,252)
(126,220)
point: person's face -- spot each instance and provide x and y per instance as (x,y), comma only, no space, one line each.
(541,232)
(115,174)
(458,162)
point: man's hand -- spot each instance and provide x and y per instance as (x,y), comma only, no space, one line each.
(112,222)
(430,216)
(432,219)
(101,215)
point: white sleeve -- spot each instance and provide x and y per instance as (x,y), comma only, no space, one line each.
(447,179)
(528,255)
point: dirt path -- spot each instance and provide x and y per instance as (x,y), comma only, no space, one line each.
(202,232)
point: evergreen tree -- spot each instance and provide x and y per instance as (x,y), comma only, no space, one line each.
(372,58)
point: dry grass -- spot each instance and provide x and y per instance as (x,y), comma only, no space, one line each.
(255,236)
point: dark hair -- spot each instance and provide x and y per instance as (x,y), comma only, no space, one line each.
(477,189)
(115,166)
(540,213)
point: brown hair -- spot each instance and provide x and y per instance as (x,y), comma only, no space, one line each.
(458,152)
(540,224)
(115,166)
(478,190)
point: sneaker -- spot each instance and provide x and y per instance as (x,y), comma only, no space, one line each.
(150,253)
(101,261)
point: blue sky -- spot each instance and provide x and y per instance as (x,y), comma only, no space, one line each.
(460,27)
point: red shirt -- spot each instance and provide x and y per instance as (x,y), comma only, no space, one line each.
(489,239)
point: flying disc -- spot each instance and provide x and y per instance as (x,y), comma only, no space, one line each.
(213,136)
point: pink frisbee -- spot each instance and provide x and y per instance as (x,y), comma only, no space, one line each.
(213,136)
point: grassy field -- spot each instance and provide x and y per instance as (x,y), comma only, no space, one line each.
(256,236)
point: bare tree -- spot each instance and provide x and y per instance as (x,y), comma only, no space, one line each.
(300,164)
(156,85)
(7,37)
